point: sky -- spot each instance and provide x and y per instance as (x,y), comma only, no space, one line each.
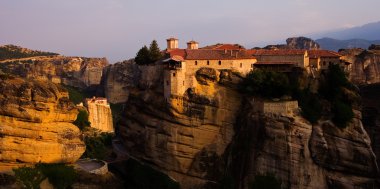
(117,29)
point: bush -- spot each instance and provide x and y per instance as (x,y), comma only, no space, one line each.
(267,84)
(96,146)
(265,182)
(60,176)
(310,106)
(342,114)
(82,120)
(75,95)
(29,177)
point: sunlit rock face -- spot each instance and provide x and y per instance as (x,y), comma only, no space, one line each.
(36,123)
(74,71)
(213,132)
(365,65)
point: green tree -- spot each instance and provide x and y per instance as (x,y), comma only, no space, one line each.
(154,52)
(82,120)
(29,177)
(60,176)
(143,56)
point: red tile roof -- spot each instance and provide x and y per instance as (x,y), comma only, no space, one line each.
(275,63)
(323,53)
(224,47)
(279,52)
(210,54)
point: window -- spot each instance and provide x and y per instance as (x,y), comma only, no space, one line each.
(220,62)
(208,62)
(196,62)
(251,65)
(173,74)
(183,83)
(324,63)
(241,65)
(167,82)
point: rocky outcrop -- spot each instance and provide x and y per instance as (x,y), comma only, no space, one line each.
(301,155)
(371,115)
(100,114)
(211,133)
(302,43)
(118,79)
(365,65)
(36,123)
(74,71)
(187,138)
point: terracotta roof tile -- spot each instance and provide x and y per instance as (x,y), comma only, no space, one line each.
(224,47)
(275,63)
(280,52)
(323,53)
(210,54)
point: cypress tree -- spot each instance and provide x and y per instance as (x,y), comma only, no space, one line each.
(154,52)
(143,56)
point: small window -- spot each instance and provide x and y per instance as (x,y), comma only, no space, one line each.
(220,62)
(196,62)
(241,65)
(173,74)
(208,62)
(183,83)
(324,63)
(167,82)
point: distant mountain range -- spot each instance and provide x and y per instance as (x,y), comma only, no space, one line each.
(356,37)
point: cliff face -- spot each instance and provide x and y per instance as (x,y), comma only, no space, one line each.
(302,43)
(99,114)
(207,134)
(186,139)
(365,65)
(118,79)
(73,71)
(36,123)
(301,155)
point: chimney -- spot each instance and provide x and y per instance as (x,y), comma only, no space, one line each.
(192,45)
(172,43)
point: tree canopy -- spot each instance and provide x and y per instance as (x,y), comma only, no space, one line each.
(148,55)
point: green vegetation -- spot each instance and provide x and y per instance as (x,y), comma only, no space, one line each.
(265,182)
(13,52)
(75,95)
(116,110)
(141,176)
(60,176)
(29,177)
(148,56)
(267,84)
(334,90)
(82,120)
(96,145)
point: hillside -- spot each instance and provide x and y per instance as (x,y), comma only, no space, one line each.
(15,52)
(336,44)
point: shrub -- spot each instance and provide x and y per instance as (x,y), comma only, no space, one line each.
(60,176)
(310,106)
(267,182)
(96,146)
(266,84)
(82,120)
(75,95)
(29,177)
(342,114)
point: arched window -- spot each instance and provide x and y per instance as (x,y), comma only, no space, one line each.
(220,62)
(196,62)
(208,62)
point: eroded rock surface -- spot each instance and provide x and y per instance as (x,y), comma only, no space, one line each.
(36,123)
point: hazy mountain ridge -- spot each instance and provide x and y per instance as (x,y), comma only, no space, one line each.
(335,44)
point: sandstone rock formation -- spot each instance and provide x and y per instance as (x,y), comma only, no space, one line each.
(364,65)
(74,71)
(118,79)
(296,43)
(99,114)
(301,155)
(302,43)
(212,132)
(36,123)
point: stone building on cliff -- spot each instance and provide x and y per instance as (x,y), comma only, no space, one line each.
(182,64)
(100,115)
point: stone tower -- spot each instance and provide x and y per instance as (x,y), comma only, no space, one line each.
(192,45)
(175,74)
(172,43)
